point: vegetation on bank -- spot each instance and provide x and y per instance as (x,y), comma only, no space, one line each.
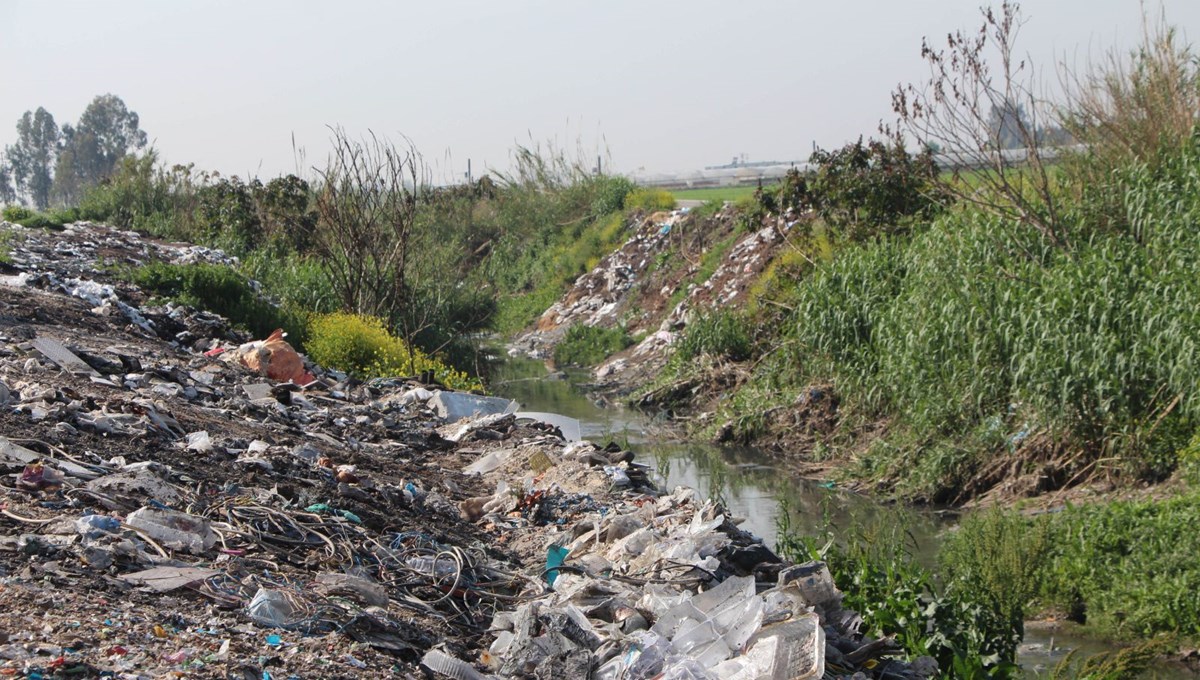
(967,610)
(718,194)
(1033,329)
(363,347)
(222,290)
(439,265)
(1022,337)
(589,345)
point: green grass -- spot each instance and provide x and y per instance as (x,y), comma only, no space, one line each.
(589,345)
(221,290)
(529,280)
(714,193)
(1125,569)
(980,341)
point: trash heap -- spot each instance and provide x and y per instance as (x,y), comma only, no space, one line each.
(180,500)
(599,297)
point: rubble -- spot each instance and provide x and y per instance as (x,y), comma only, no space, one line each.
(169,513)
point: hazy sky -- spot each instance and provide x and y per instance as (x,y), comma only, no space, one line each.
(662,86)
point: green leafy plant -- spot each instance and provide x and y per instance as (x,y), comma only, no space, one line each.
(868,189)
(221,290)
(363,347)
(720,334)
(589,345)
(873,565)
(649,200)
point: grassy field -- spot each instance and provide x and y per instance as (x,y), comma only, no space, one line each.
(713,193)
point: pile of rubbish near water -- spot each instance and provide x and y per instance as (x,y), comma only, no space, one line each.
(169,510)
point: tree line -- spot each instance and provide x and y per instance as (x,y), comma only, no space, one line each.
(50,164)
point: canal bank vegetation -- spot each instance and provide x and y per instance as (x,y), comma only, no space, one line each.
(1124,570)
(1041,335)
(367,233)
(589,345)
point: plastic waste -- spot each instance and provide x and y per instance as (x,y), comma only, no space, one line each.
(95,526)
(794,650)
(330,510)
(367,591)
(199,442)
(444,664)
(487,463)
(37,476)
(569,427)
(273,358)
(555,556)
(432,566)
(271,608)
(175,530)
(619,476)
(454,406)
(814,582)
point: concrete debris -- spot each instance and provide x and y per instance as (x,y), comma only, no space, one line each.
(184,517)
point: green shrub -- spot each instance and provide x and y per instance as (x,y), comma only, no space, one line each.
(295,281)
(589,345)
(995,557)
(873,565)
(363,347)
(30,219)
(608,193)
(17,214)
(221,290)
(650,200)
(718,333)
(1136,108)
(1126,568)
(868,189)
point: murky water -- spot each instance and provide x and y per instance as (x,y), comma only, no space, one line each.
(753,490)
(742,478)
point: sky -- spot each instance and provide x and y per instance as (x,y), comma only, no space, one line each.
(653,86)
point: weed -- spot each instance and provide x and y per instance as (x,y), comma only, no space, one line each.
(870,189)
(1124,664)
(720,334)
(363,347)
(221,290)
(589,345)
(649,200)
(30,219)
(874,566)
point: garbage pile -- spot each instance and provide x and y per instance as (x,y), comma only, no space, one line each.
(599,297)
(180,500)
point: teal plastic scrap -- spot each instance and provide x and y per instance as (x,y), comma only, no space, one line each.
(330,510)
(555,556)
